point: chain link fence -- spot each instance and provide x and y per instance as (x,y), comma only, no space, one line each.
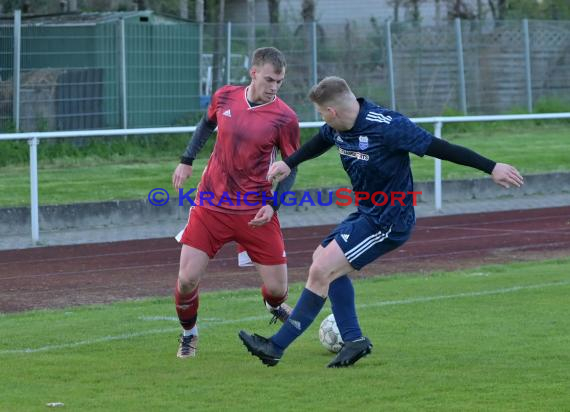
(129,70)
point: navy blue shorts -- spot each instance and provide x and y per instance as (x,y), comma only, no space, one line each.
(362,241)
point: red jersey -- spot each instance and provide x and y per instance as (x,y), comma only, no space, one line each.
(246,146)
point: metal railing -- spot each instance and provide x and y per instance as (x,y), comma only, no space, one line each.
(35,137)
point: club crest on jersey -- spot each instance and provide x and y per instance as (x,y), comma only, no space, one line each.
(363,142)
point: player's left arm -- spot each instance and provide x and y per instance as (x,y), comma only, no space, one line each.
(502,174)
(404,134)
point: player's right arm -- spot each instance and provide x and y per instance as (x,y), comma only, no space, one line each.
(313,148)
(183,171)
(204,130)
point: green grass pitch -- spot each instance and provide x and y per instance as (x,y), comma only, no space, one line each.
(495,338)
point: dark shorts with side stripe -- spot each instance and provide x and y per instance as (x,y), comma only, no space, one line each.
(362,241)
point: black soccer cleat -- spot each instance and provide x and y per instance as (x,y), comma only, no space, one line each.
(261,347)
(351,352)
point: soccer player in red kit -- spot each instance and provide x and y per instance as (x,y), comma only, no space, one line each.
(231,200)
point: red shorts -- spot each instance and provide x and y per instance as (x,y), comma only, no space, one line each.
(208,230)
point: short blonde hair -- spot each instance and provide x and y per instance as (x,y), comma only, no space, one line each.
(330,90)
(270,55)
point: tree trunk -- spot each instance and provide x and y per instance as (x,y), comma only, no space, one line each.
(219,46)
(396,4)
(416,10)
(199,11)
(273,6)
(250,26)
(141,4)
(183,9)
(308,14)
(503,5)
(437,11)
(493,11)
(205,88)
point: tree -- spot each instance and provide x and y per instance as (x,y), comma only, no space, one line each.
(273,8)
(141,4)
(396,9)
(308,14)
(183,9)
(498,8)
(250,25)
(217,72)
(459,9)
(414,5)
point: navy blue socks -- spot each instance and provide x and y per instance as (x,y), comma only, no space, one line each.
(341,294)
(306,310)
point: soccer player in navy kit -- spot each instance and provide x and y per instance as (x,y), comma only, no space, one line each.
(253,125)
(374,145)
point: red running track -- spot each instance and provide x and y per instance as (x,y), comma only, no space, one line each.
(59,276)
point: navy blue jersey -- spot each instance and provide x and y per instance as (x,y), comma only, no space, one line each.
(375,155)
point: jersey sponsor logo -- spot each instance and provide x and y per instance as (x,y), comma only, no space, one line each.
(357,155)
(363,142)
(345,237)
(227,113)
(378,117)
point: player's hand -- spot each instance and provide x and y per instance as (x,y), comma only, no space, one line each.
(181,173)
(262,217)
(506,175)
(278,171)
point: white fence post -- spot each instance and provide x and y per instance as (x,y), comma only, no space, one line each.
(123,73)
(460,66)
(229,53)
(527,64)
(390,64)
(16,68)
(437,174)
(34,202)
(314,60)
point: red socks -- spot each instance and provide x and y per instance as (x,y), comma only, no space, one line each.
(274,301)
(187,307)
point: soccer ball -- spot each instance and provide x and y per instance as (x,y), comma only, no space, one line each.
(329,334)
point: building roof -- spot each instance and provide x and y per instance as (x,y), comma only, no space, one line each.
(92,18)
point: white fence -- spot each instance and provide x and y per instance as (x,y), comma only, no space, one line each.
(35,137)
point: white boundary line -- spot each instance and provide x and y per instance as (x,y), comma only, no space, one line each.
(251,318)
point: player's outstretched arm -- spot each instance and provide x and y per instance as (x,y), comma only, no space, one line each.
(506,175)
(502,174)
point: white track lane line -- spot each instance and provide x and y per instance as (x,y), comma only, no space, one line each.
(422,299)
